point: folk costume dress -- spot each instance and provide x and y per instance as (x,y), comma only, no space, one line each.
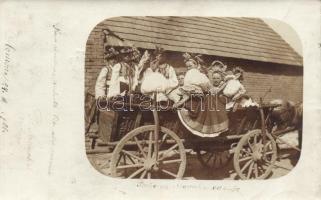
(204,115)
(162,80)
(234,91)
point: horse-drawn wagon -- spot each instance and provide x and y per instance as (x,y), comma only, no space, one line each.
(153,140)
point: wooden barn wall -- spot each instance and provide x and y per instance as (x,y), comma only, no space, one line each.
(94,57)
(286,80)
(248,38)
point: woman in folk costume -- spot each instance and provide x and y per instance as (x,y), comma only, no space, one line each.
(158,76)
(216,74)
(195,82)
(235,91)
(204,116)
(125,74)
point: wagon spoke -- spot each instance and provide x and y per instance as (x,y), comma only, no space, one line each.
(163,140)
(124,158)
(246,165)
(130,158)
(250,170)
(246,152)
(143,174)
(136,173)
(256,170)
(269,153)
(268,143)
(140,147)
(143,140)
(250,145)
(172,161)
(169,173)
(132,155)
(245,158)
(260,168)
(120,156)
(150,141)
(129,166)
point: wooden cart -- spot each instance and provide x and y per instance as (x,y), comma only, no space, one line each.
(155,142)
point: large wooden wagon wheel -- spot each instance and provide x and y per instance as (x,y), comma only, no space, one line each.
(213,159)
(135,155)
(252,158)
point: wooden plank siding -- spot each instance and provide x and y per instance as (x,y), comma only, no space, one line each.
(202,38)
(244,38)
(213,47)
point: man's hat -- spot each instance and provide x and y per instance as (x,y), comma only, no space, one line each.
(133,53)
(111,53)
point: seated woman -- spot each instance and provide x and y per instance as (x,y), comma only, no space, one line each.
(235,91)
(195,82)
(158,76)
(205,117)
(216,74)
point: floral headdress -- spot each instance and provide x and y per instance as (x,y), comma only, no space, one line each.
(196,58)
(217,66)
(132,52)
(238,72)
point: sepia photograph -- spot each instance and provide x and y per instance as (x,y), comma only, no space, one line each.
(160,100)
(193,98)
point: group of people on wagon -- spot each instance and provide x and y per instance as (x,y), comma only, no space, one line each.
(149,74)
(127,70)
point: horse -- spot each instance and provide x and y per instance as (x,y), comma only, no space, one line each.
(287,114)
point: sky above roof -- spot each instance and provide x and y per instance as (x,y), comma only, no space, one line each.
(287,33)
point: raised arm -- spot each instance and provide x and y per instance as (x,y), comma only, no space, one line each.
(142,62)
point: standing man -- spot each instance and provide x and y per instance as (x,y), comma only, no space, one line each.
(102,82)
(101,91)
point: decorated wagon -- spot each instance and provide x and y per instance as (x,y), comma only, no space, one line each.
(157,137)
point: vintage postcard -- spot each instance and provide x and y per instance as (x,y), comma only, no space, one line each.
(163,100)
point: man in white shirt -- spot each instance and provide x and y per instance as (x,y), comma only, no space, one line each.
(105,118)
(104,76)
